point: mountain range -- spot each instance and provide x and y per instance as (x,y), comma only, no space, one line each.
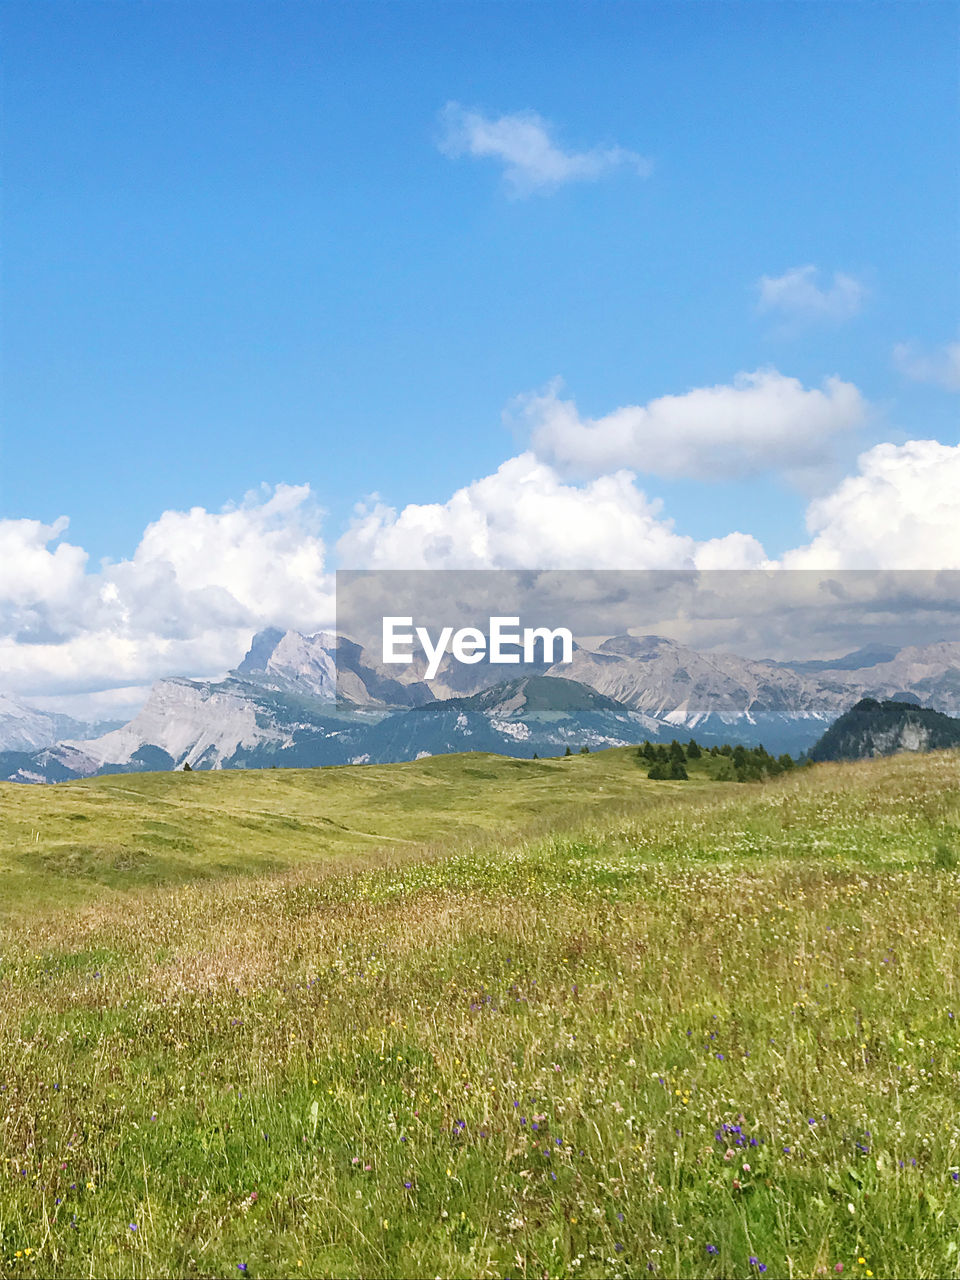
(300,700)
(25,728)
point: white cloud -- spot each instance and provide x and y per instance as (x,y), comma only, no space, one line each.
(186,603)
(763,422)
(201,582)
(526,516)
(30,570)
(265,555)
(797,295)
(522,142)
(900,511)
(940,366)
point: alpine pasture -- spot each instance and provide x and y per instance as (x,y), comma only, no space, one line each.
(482,1017)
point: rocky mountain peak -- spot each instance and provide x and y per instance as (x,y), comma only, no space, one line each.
(292,661)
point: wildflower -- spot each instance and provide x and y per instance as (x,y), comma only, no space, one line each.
(133,1226)
(712,1249)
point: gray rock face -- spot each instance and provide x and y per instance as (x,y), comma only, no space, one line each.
(280,706)
(691,690)
(24,728)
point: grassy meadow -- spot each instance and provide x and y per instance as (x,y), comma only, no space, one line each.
(86,841)
(482,1017)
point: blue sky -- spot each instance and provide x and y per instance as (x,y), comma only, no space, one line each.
(241,249)
(235,253)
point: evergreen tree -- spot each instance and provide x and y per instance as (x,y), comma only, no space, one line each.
(678,771)
(693,750)
(568,752)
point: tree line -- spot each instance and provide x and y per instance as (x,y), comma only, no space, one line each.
(741,764)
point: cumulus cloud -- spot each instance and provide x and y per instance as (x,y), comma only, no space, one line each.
(200,582)
(799,295)
(526,516)
(761,422)
(940,366)
(901,510)
(186,602)
(523,143)
(31,571)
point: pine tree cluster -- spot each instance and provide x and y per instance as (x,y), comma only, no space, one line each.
(746,764)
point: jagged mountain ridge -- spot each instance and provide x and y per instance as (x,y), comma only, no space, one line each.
(518,717)
(25,728)
(326,666)
(224,724)
(278,706)
(714,693)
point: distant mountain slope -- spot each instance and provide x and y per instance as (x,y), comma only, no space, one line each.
(325,666)
(322,699)
(224,724)
(873,728)
(532,714)
(719,696)
(24,728)
(237,723)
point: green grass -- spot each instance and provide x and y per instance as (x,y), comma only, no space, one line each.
(728,1010)
(84,840)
